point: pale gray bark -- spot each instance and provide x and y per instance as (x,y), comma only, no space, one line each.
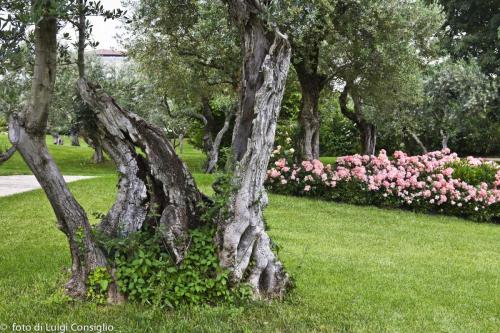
(245,247)
(173,195)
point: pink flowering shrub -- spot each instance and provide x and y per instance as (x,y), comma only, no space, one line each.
(435,182)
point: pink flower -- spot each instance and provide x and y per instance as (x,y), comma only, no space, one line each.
(307,188)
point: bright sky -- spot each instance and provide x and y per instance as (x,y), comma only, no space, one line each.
(105,32)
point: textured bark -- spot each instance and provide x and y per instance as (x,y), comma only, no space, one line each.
(27,132)
(367,131)
(244,246)
(311,84)
(173,195)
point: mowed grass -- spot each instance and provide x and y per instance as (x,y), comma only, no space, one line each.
(356,269)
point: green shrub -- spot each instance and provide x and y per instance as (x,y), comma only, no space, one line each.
(146,273)
(474,175)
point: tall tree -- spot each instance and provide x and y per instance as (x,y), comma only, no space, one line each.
(379,47)
(245,247)
(27,133)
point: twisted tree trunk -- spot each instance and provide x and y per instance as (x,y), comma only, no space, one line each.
(244,246)
(306,64)
(152,183)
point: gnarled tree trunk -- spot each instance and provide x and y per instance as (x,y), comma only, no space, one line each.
(244,246)
(154,183)
(311,84)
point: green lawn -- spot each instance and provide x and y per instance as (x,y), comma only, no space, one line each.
(357,269)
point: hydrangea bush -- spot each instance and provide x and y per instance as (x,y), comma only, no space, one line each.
(437,182)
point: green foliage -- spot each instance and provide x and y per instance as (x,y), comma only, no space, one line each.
(338,135)
(147,274)
(3,124)
(98,283)
(471,31)
(474,175)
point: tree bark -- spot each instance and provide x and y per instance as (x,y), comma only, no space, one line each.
(367,131)
(154,183)
(27,132)
(444,139)
(311,84)
(244,246)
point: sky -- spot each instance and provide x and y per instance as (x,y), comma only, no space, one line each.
(105,32)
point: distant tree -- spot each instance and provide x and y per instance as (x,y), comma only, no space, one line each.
(456,94)
(380,48)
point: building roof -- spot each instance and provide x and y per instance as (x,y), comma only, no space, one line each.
(110,53)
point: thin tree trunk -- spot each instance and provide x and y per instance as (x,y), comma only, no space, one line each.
(4,157)
(27,132)
(418,141)
(98,156)
(245,248)
(213,156)
(181,143)
(368,136)
(444,139)
(75,140)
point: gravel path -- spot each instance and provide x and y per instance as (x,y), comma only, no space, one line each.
(17,184)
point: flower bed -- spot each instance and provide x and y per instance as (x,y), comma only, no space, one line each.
(437,182)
